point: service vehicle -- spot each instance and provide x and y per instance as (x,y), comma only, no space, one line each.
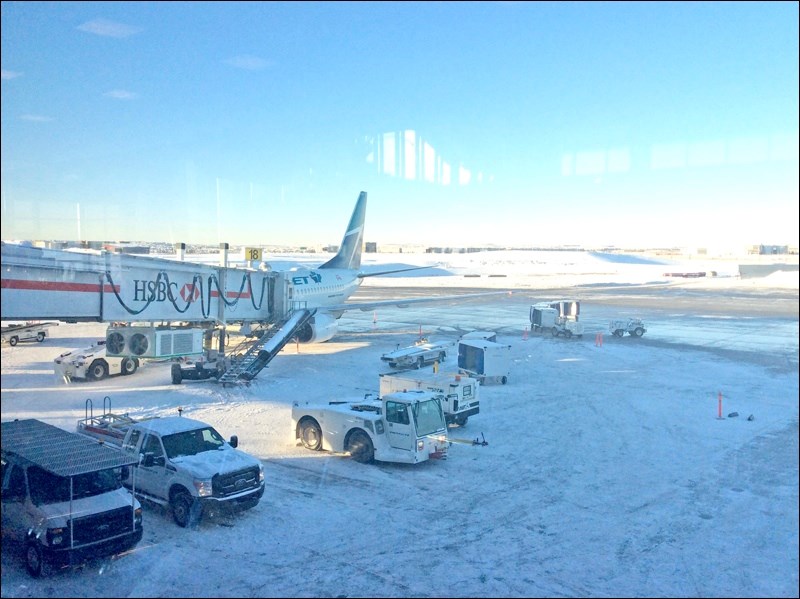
(63,498)
(29,331)
(561,317)
(406,427)
(484,360)
(186,465)
(633,326)
(93,363)
(422,353)
(459,392)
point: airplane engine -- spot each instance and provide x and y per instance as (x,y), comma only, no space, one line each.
(320,328)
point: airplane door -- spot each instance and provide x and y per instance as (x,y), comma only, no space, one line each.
(398,422)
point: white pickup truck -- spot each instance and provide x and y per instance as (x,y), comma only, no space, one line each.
(29,331)
(418,355)
(183,464)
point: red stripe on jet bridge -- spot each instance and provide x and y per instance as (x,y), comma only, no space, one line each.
(232,294)
(55,286)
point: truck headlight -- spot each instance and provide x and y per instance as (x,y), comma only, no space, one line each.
(137,517)
(203,487)
(55,536)
(420,444)
(260,473)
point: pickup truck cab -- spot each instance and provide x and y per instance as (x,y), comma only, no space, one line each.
(183,464)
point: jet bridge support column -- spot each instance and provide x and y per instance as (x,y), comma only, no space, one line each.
(223,286)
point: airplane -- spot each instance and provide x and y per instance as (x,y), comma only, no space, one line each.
(309,302)
(326,288)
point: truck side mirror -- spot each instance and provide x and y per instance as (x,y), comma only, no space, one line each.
(148,460)
(234,441)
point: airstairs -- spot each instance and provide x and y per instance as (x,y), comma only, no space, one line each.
(245,368)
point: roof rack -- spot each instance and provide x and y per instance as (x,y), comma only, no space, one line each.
(59,451)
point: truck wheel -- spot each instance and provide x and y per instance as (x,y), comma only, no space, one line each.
(13,341)
(310,434)
(40,336)
(504,380)
(185,509)
(420,362)
(568,334)
(361,448)
(97,371)
(442,356)
(555,332)
(177,375)
(638,332)
(462,420)
(619,333)
(129,366)
(34,559)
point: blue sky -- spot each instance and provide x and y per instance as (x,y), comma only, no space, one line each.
(505,123)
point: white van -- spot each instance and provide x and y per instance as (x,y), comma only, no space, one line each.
(62,496)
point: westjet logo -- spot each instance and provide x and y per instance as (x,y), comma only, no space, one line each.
(314,276)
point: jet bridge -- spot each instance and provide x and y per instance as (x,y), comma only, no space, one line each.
(101,286)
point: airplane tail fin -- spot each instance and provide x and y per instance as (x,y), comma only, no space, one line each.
(349,254)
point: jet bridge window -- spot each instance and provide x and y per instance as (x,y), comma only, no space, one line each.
(397,412)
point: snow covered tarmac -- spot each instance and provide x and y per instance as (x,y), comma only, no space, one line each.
(608,472)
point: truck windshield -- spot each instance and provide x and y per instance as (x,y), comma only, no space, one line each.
(428,417)
(47,487)
(192,442)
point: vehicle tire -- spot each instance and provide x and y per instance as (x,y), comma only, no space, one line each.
(462,420)
(34,559)
(568,334)
(504,380)
(310,434)
(638,332)
(619,333)
(555,331)
(442,356)
(129,366)
(13,341)
(360,447)
(177,375)
(97,371)
(186,510)
(420,362)
(40,336)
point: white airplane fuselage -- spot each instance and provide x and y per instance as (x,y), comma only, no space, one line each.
(321,288)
